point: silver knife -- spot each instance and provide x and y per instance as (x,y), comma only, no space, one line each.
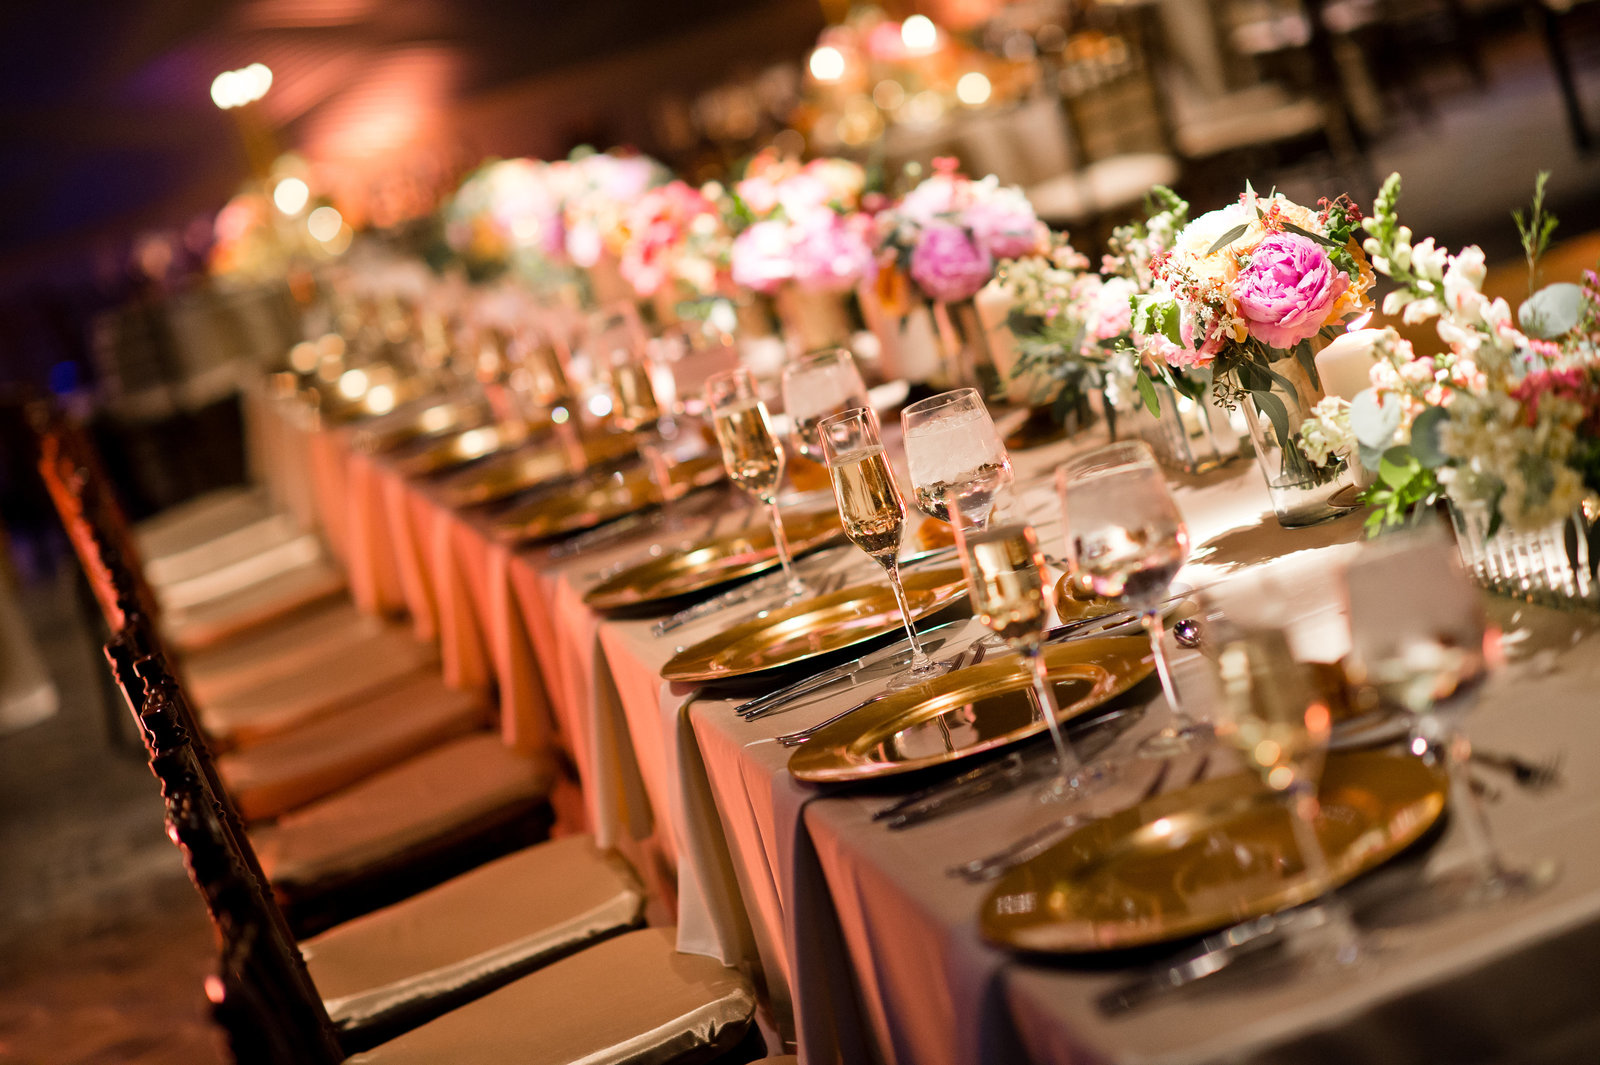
(1211,955)
(750,709)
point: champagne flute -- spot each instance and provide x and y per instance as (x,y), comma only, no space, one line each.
(815,386)
(1421,640)
(1004,567)
(1126,540)
(953,446)
(751,453)
(870,506)
(1270,713)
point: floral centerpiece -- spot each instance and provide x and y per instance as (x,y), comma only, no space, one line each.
(602,188)
(944,241)
(807,242)
(1249,292)
(1504,422)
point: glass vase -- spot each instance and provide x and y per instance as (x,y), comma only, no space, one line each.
(968,361)
(816,318)
(1302,492)
(1553,565)
(1189,435)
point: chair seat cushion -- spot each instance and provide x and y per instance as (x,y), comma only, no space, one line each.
(315,688)
(474,931)
(223,553)
(197,521)
(213,620)
(630,999)
(407,807)
(283,646)
(341,748)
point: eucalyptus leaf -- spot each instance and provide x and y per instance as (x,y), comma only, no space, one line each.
(1147,391)
(1398,467)
(1370,457)
(1308,363)
(1374,420)
(1273,408)
(1552,311)
(1228,238)
(1425,437)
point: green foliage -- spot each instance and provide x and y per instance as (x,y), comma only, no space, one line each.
(1535,229)
(1405,489)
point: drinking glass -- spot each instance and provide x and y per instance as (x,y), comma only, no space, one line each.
(815,386)
(952,447)
(751,453)
(870,506)
(1421,640)
(1004,567)
(1126,540)
(1269,711)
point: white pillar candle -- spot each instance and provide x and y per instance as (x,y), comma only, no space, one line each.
(1345,365)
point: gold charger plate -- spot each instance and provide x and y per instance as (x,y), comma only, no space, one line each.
(1208,856)
(424,421)
(597,499)
(814,627)
(968,712)
(739,554)
(469,445)
(539,463)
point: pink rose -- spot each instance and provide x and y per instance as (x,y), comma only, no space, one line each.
(1287,290)
(1187,355)
(948,265)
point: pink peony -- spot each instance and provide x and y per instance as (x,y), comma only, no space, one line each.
(1188,355)
(760,259)
(1288,289)
(831,251)
(948,264)
(1004,224)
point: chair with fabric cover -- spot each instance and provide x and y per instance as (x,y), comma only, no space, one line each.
(403,984)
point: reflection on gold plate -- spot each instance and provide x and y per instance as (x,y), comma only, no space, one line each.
(528,467)
(463,447)
(1208,856)
(740,554)
(814,627)
(598,498)
(425,421)
(968,712)
(1073,604)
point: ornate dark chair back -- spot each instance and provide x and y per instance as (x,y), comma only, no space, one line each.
(89,510)
(263,996)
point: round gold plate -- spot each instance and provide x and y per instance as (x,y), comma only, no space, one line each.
(597,499)
(469,445)
(1208,856)
(739,554)
(528,467)
(968,712)
(814,627)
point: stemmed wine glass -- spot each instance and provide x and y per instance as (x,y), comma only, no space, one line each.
(1268,710)
(751,453)
(870,506)
(815,386)
(952,446)
(1421,640)
(1004,567)
(1127,540)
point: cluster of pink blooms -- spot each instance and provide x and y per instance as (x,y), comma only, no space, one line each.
(958,229)
(656,227)
(809,227)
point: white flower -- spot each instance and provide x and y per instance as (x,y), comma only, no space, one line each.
(1427,261)
(1327,434)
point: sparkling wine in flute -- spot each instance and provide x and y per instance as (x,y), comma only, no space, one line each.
(635,398)
(873,514)
(750,452)
(1003,575)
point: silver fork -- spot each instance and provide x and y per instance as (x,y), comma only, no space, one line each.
(1532,775)
(970,656)
(993,866)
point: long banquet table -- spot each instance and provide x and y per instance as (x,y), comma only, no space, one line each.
(865,949)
